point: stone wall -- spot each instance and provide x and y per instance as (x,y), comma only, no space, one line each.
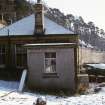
(63,78)
(87,55)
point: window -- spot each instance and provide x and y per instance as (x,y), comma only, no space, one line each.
(50,62)
(3,53)
(0,7)
(21,56)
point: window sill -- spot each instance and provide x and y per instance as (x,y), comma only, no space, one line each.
(50,75)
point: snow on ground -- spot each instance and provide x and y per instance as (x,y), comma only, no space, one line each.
(6,87)
(10,96)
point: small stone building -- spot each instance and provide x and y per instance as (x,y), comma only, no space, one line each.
(46,49)
(52,65)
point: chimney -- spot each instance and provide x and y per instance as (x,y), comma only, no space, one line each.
(39,18)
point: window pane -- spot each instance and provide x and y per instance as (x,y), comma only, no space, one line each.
(50,55)
(21,55)
(2,54)
(50,62)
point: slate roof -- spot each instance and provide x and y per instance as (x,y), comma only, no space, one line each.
(26,26)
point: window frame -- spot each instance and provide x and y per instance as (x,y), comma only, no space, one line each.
(20,54)
(3,54)
(50,74)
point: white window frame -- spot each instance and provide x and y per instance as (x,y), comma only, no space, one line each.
(49,72)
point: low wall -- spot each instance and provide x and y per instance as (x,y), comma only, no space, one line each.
(87,55)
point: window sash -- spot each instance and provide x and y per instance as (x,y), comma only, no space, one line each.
(50,63)
(21,56)
(3,53)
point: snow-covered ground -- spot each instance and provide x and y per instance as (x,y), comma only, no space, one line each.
(10,96)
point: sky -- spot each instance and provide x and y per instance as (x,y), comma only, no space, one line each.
(90,10)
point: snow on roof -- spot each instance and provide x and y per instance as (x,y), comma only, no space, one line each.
(81,42)
(89,46)
(97,66)
(84,44)
(26,26)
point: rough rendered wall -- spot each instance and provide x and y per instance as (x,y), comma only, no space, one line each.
(87,55)
(64,69)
